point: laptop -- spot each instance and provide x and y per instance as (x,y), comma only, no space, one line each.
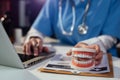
(10,57)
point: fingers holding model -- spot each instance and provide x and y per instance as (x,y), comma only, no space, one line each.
(85,48)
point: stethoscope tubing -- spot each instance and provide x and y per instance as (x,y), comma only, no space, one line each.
(74,16)
(60,19)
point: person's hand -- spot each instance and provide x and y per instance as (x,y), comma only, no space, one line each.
(34,46)
(99,53)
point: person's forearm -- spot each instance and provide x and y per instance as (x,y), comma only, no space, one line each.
(108,41)
(105,42)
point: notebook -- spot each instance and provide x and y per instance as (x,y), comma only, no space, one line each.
(10,57)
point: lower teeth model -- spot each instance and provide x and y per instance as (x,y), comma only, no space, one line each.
(82,58)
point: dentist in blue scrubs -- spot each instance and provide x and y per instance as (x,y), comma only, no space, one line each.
(94,23)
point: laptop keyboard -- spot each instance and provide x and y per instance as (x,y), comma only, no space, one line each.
(29,60)
(24,57)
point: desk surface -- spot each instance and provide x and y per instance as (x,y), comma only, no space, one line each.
(52,76)
(32,73)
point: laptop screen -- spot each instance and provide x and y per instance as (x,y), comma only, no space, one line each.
(8,56)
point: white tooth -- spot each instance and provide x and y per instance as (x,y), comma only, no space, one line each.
(88,62)
(90,56)
(83,56)
(83,62)
(75,55)
(80,62)
(87,56)
(78,55)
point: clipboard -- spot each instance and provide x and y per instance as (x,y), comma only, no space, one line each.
(107,74)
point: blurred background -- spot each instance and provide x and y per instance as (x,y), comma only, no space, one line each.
(19,14)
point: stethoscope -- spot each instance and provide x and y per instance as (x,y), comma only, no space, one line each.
(82,28)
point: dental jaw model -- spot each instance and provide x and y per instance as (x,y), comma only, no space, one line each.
(83,58)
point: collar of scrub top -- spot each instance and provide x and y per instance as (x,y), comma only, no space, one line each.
(81,27)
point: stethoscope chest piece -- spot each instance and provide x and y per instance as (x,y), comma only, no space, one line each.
(83,29)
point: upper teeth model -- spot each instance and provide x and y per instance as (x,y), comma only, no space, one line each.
(83,58)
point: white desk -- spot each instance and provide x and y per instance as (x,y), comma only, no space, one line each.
(32,73)
(8,73)
(52,76)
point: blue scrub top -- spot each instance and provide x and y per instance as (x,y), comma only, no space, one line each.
(103,18)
